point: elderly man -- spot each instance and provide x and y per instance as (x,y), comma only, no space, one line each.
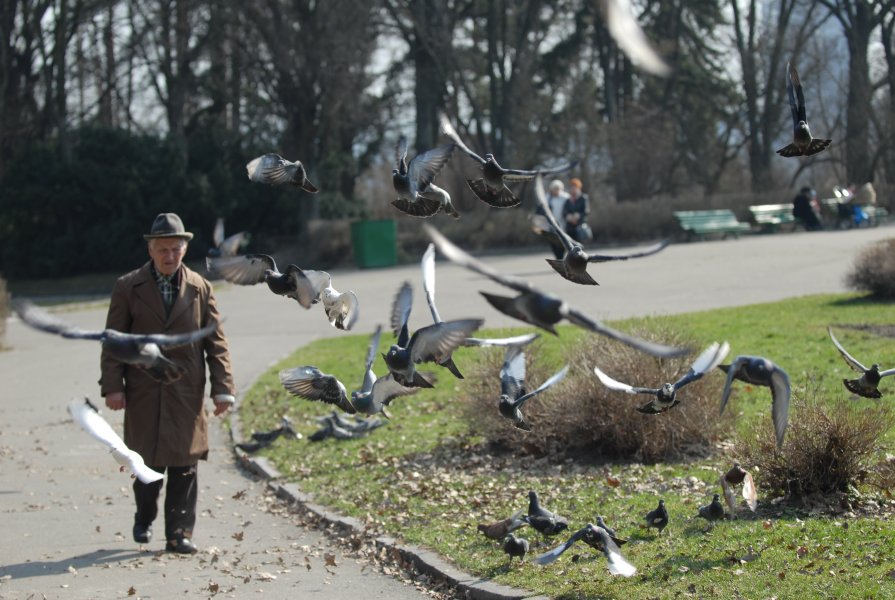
(165,422)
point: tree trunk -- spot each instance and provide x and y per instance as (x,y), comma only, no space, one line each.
(858,169)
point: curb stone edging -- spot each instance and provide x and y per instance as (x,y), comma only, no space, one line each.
(426,561)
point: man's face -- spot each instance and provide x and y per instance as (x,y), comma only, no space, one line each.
(167,254)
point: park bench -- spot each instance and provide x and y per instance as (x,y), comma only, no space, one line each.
(770,217)
(830,208)
(699,223)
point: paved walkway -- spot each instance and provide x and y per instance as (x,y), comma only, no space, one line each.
(67,512)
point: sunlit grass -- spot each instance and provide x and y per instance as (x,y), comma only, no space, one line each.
(425,479)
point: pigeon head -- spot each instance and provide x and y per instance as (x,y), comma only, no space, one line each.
(874,368)
(489,158)
(667,391)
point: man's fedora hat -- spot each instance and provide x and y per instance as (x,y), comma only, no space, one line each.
(167,225)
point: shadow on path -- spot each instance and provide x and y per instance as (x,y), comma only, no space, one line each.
(41,568)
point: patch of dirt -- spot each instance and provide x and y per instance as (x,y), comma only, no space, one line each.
(880,330)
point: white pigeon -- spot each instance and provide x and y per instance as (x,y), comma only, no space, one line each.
(87,416)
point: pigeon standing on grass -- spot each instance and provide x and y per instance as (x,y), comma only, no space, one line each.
(515,547)
(87,416)
(618,541)
(501,529)
(714,511)
(537,308)
(599,539)
(513,395)
(761,371)
(273,169)
(802,142)
(735,476)
(139,350)
(542,520)
(417,195)
(658,517)
(867,385)
(307,287)
(491,188)
(573,264)
(666,396)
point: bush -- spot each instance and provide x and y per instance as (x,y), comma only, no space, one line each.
(874,270)
(582,417)
(827,448)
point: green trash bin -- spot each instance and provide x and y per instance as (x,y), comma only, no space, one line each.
(375,243)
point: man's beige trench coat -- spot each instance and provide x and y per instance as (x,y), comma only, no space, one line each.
(166,424)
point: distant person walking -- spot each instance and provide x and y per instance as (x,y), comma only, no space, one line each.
(575,213)
(165,422)
(805,209)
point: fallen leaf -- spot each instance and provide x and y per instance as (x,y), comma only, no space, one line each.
(213,587)
(238,536)
(781,575)
(767,525)
(131,591)
(239,495)
(801,551)
(330,559)
(612,482)
(308,563)
(264,576)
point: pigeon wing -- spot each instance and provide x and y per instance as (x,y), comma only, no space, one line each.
(401,155)
(462,258)
(38,318)
(164,339)
(90,421)
(247,269)
(512,373)
(387,389)
(552,555)
(310,383)
(428,266)
(595,258)
(618,564)
(627,33)
(849,359)
(553,380)
(449,131)
(342,310)
(729,496)
(780,393)
(651,348)
(560,232)
(710,358)
(231,245)
(372,349)
(440,339)
(749,493)
(732,372)
(519,340)
(796,84)
(218,235)
(793,107)
(618,386)
(400,314)
(308,284)
(424,167)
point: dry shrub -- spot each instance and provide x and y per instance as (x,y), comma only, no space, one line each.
(874,270)
(582,417)
(828,447)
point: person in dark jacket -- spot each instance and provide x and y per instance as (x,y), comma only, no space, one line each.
(575,213)
(804,209)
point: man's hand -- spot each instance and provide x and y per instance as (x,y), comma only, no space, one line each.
(222,403)
(116,400)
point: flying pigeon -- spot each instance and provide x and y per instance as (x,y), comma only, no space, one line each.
(802,142)
(761,371)
(658,517)
(665,396)
(518,340)
(573,264)
(87,416)
(307,287)
(312,384)
(735,476)
(618,541)
(428,268)
(713,511)
(598,538)
(139,350)
(434,343)
(513,547)
(512,386)
(273,169)
(228,246)
(627,33)
(375,393)
(491,188)
(501,529)
(542,520)
(417,195)
(537,308)
(867,385)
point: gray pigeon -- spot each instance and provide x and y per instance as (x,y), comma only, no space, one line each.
(538,308)
(666,396)
(434,343)
(515,547)
(598,538)
(761,371)
(867,385)
(311,383)
(139,350)
(428,268)
(417,195)
(802,142)
(307,287)
(491,188)
(573,264)
(226,246)
(713,511)
(273,169)
(658,517)
(501,529)
(543,521)
(512,387)
(376,394)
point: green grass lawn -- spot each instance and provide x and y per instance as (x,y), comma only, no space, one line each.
(425,479)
